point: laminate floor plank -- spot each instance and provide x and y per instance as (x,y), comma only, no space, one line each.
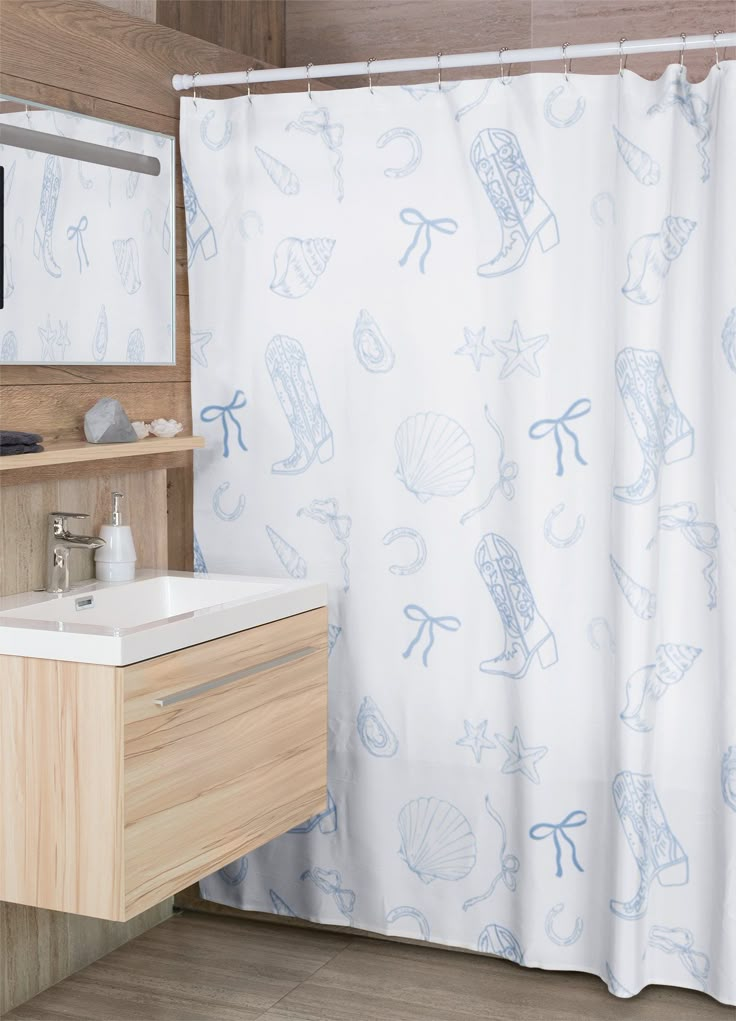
(199,967)
(189,968)
(373,980)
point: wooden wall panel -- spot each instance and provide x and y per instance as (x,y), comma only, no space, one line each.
(255,27)
(325,31)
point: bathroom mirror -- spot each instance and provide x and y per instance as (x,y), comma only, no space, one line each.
(88,239)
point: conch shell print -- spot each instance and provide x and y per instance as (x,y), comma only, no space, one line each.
(645,169)
(298,264)
(651,256)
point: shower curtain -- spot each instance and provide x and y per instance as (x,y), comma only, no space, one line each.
(469,355)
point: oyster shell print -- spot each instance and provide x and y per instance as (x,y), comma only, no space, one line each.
(377,737)
(285,180)
(371,347)
(436,840)
(298,264)
(501,942)
(436,457)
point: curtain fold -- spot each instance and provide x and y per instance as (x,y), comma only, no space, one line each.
(469,355)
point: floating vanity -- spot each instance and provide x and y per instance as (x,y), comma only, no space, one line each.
(154,731)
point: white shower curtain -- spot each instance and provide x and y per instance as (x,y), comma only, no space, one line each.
(469,355)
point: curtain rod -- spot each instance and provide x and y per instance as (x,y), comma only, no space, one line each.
(624,48)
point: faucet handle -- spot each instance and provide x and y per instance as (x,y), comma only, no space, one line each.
(58,519)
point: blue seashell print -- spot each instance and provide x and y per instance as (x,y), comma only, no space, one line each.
(645,169)
(501,942)
(650,683)
(333,633)
(436,457)
(728,339)
(298,263)
(436,840)
(9,347)
(126,260)
(293,562)
(371,347)
(651,256)
(285,179)
(136,348)
(641,600)
(376,735)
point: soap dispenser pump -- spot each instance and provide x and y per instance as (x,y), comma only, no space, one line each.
(115,561)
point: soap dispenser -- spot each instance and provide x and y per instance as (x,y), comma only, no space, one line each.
(115,561)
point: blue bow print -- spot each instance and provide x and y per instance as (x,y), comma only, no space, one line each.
(76,232)
(214,411)
(542,830)
(416,613)
(329,881)
(413,218)
(538,430)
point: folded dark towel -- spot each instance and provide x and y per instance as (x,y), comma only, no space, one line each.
(20,448)
(13,438)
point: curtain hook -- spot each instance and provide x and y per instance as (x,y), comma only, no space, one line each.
(715,46)
(368,69)
(622,58)
(247,83)
(439,71)
(309,82)
(682,52)
(505,79)
(565,61)
(194,87)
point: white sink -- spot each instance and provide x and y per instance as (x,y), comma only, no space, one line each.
(159,612)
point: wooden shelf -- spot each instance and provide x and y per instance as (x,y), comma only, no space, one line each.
(79,451)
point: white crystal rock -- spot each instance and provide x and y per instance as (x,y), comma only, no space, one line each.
(165,427)
(141,429)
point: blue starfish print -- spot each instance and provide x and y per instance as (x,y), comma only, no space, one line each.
(475,346)
(475,738)
(199,342)
(519,758)
(520,352)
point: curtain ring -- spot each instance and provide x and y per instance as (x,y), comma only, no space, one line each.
(505,78)
(194,87)
(309,82)
(565,61)
(715,46)
(439,71)
(682,52)
(368,69)
(247,83)
(622,58)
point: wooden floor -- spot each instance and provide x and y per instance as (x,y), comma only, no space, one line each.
(196,967)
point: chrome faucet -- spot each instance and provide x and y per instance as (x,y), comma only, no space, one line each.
(60,543)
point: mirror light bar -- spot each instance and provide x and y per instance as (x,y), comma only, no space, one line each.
(88,152)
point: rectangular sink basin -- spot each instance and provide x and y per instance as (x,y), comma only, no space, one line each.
(159,612)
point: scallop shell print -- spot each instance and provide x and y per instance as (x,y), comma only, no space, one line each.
(436,840)
(728,339)
(651,256)
(436,457)
(500,942)
(298,264)
(285,180)
(645,169)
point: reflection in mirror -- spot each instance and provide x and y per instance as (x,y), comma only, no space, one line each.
(88,240)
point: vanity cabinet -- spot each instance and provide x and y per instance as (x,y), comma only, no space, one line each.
(121,785)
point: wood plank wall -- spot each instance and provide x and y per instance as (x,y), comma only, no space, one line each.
(326,31)
(87,58)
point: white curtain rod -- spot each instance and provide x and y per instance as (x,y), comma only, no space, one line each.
(627,47)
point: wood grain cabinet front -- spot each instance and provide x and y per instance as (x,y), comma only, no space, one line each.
(120,786)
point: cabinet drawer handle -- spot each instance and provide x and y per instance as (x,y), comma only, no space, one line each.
(220,682)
